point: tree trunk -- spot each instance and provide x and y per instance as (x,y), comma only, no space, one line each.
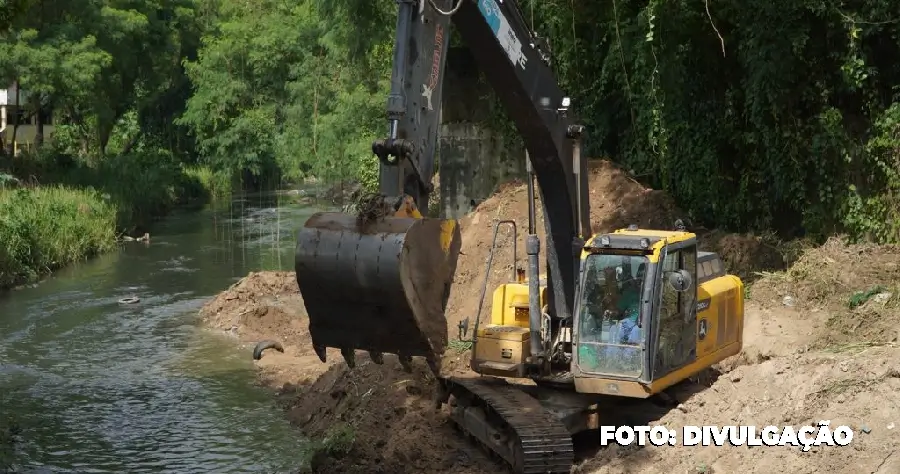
(15,130)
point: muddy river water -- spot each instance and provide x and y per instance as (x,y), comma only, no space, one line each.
(92,385)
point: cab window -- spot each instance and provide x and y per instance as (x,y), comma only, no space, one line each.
(677,314)
(609,312)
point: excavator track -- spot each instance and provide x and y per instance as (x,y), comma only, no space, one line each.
(511,424)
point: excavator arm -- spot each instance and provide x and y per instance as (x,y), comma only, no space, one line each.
(379,281)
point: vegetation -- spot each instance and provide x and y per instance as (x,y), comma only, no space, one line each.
(293,87)
(46,227)
(100,86)
(791,106)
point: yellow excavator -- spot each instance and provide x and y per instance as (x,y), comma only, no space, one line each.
(622,314)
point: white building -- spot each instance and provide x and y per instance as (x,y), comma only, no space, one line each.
(15,127)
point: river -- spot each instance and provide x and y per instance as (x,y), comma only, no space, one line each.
(93,385)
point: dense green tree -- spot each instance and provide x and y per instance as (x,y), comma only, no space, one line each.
(285,85)
(99,64)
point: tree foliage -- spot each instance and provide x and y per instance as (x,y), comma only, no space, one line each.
(292,86)
(102,66)
(753,114)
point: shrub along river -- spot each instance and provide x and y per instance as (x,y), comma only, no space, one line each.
(88,384)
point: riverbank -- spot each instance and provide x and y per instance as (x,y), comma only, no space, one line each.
(376,418)
(55,211)
(819,343)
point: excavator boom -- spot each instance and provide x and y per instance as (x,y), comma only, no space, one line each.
(379,281)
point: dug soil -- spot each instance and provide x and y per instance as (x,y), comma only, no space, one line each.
(819,344)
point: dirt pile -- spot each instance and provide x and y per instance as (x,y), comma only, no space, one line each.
(385,421)
(375,418)
(267,305)
(802,360)
(854,286)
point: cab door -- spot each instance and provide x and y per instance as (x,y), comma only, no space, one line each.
(676,316)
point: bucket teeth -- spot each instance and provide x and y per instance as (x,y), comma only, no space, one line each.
(377,357)
(434,365)
(349,357)
(406,362)
(320,351)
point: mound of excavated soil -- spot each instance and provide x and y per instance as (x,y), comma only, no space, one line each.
(808,355)
(390,425)
(853,286)
(616,201)
(393,426)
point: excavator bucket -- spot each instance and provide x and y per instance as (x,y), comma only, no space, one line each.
(381,287)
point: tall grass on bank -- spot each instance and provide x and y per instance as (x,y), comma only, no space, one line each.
(143,185)
(44,228)
(56,209)
(217,184)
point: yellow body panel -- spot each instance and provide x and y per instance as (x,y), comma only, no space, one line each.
(502,346)
(510,304)
(501,351)
(720,314)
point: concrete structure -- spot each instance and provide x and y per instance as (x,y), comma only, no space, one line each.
(472,159)
(17,130)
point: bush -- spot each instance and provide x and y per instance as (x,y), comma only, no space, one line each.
(216,184)
(44,228)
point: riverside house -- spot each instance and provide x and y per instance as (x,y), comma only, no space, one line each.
(19,126)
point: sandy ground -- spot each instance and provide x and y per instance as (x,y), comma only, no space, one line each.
(814,350)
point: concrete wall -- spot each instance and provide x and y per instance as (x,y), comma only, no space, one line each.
(473,159)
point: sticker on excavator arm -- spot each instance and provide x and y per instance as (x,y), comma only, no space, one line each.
(504,33)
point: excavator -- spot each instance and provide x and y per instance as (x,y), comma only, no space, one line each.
(619,315)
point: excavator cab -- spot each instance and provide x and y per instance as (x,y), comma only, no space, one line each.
(638,330)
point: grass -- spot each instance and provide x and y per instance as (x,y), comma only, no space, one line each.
(459,346)
(338,442)
(144,185)
(44,228)
(217,184)
(56,210)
